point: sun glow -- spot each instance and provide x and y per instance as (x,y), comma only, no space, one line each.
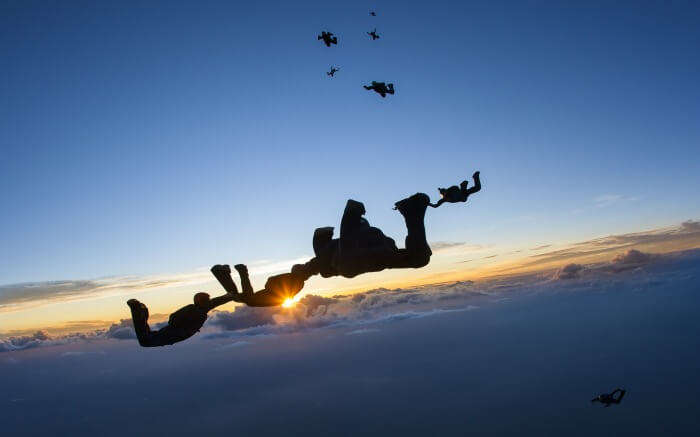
(290,301)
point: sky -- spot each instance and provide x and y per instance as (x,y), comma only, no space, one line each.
(146,141)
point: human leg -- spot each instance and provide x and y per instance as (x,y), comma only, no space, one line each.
(223,274)
(417,252)
(139,317)
(245,280)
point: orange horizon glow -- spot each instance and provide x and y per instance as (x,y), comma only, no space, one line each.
(98,312)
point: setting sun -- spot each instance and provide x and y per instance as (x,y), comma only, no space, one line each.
(288,303)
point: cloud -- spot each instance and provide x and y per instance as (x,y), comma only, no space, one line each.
(629,260)
(443,246)
(633,256)
(124,330)
(690,226)
(606,200)
(243,317)
(684,236)
(234,345)
(569,271)
(81,353)
(32,294)
(14,297)
(39,338)
(371,307)
(365,311)
(362,331)
(544,246)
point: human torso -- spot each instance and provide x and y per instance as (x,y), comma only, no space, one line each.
(188,320)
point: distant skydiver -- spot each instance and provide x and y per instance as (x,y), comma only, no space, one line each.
(333,71)
(609,398)
(372,13)
(381,88)
(328,38)
(360,249)
(182,324)
(373,34)
(456,194)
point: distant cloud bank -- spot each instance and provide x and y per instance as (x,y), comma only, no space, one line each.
(32,294)
(364,312)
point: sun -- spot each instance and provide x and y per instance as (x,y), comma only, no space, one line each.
(291,301)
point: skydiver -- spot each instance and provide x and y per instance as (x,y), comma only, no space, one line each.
(372,13)
(456,194)
(373,34)
(381,88)
(332,72)
(328,38)
(182,324)
(609,398)
(360,249)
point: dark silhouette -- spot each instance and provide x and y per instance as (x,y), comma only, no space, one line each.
(609,398)
(332,72)
(182,324)
(328,38)
(277,288)
(361,248)
(381,88)
(372,13)
(456,194)
(373,34)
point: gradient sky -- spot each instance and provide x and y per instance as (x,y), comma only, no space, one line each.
(142,138)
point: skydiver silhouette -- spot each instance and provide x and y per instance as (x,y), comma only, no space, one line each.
(277,289)
(360,249)
(332,72)
(373,34)
(372,13)
(182,324)
(609,398)
(328,38)
(456,194)
(380,88)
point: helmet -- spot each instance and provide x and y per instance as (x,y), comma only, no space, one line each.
(201,299)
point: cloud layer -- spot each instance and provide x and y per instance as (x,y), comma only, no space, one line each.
(686,235)
(364,312)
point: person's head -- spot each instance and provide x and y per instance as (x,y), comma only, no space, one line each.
(201,299)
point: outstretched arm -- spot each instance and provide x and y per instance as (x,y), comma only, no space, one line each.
(217,301)
(263,298)
(439,202)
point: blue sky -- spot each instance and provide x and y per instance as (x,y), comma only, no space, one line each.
(150,138)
